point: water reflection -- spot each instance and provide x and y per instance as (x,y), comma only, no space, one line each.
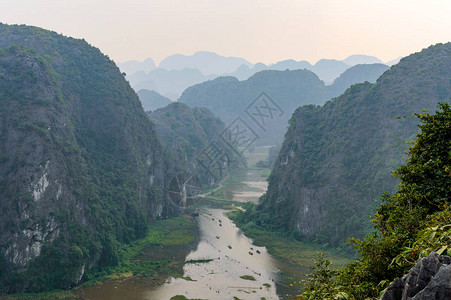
(221,277)
(233,256)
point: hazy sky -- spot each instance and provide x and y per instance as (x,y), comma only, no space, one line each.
(258,30)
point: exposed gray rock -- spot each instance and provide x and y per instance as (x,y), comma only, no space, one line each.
(394,290)
(439,287)
(429,279)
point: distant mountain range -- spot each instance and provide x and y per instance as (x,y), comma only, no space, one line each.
(177,72)
(361,59)
(169,83)
(326,69)
(133,66)
(208,63)
(284,91)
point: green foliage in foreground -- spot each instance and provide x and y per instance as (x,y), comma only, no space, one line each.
(321,284)
(410,224)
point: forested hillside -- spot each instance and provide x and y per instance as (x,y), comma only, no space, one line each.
(192,137)
(81,168)
(412,230)
(337,158)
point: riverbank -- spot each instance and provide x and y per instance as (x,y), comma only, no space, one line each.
(234,266)
(153,267)
(149,261)
(285,246)
(294,257)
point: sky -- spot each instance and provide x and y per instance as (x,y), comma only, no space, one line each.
(258,30)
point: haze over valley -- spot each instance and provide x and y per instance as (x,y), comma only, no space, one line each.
(291,150)
(178,72)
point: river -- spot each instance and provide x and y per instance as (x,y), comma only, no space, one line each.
(233,256)
(237,268)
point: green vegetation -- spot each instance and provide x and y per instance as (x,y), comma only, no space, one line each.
(233,182)
(283,244)
(187,278)
(164,234)
(150,257)
(191,138)
(320,284)
(266,173)
(228,98)
(181,297)
(336,160)
(53,295)
(68,116)
(248,277)
(410,223)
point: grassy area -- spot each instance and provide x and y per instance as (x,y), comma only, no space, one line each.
(174,231)
(218,203)
(231,184)
(248,277)
(57,295)
(296,257)
(164,238)
(222,197)
(266,172)
(287,248)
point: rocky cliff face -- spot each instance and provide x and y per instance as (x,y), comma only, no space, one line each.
(81,167)
(429,279)
(336,158)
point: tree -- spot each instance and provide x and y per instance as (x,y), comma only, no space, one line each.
(406,221)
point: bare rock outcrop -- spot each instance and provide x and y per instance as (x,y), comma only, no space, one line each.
(429,279)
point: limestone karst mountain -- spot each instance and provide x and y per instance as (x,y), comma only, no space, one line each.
(82,170)
(337,158)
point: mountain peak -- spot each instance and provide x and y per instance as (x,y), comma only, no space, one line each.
(358,59)
(207,62)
